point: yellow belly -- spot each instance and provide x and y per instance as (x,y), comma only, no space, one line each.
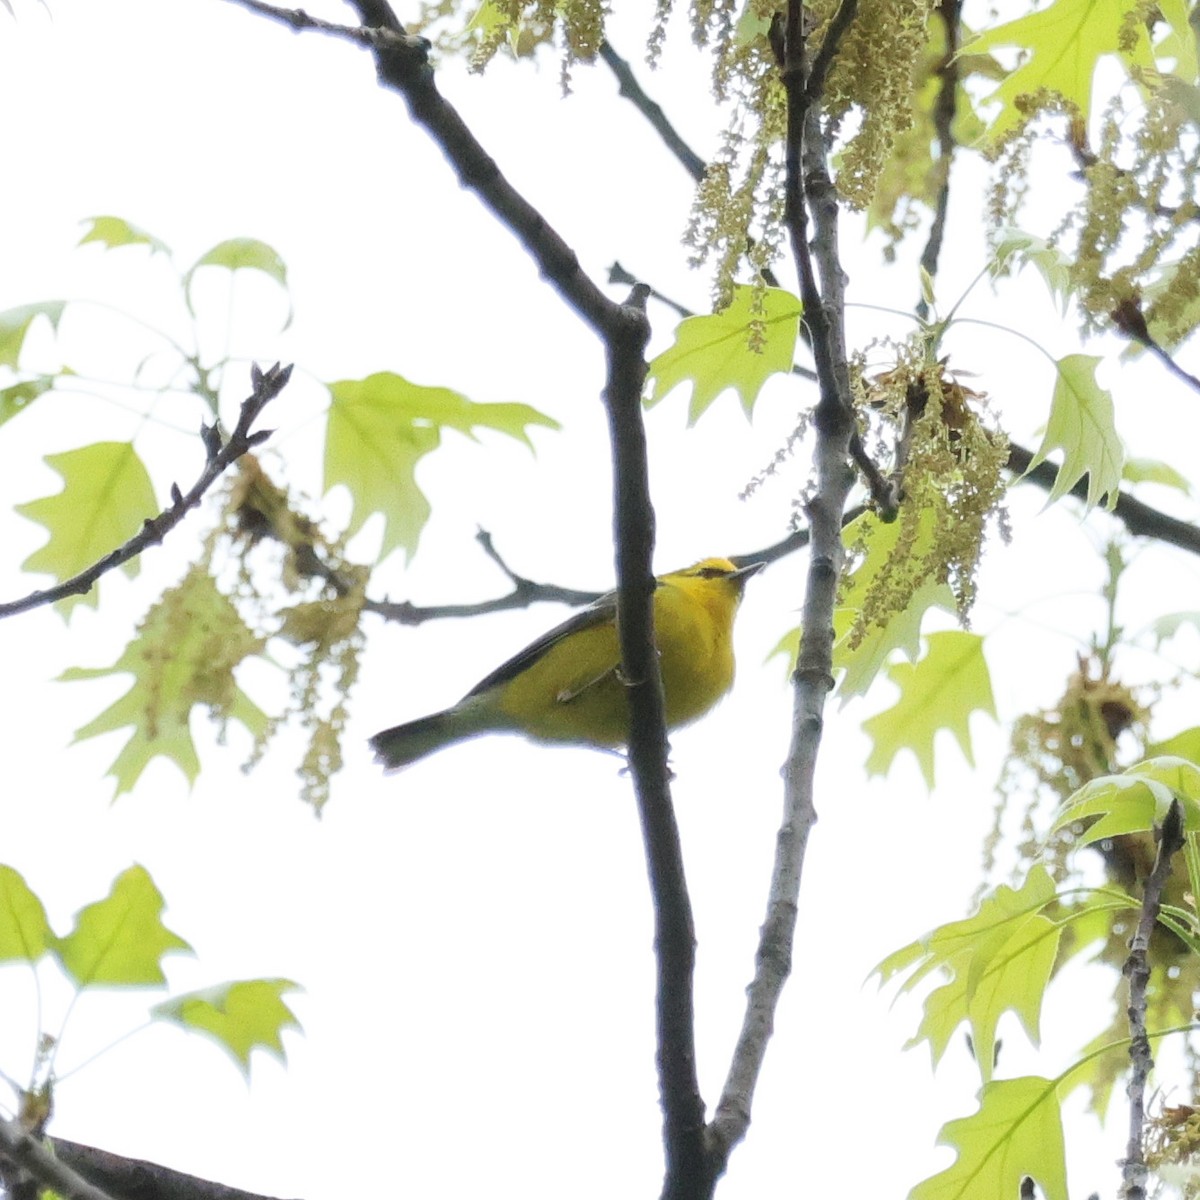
(574,692)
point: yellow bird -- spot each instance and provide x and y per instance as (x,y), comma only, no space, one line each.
(566,686)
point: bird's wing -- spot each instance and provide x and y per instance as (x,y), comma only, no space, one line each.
(602,610)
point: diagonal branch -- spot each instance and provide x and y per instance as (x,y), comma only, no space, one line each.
(22,1150)
(221,456)
(403,65)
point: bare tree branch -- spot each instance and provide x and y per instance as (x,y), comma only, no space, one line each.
(1138,518)
(809,190)
(137,1179)
(25,1152)
(1130,320)
(221,455)
(403,64)
(945,108)
(1137,971)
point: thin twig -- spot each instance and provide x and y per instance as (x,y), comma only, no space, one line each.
(629,88)
(945,108)
(220,456)
(402,64)
(1130,320)
(1137,971)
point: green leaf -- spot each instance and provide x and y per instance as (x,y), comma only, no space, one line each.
(184,655)
(24,931)
(113,232)
(1017,1133)
(939,692)
(862,647)
(382,426)
(241,1016)
(740,348)
(106,497)
(1064,43)
(998,960)
(1169,625)
(1180,42)
(120,941)
(1185,744)
(1151,470)
(1049,261)
(15,323)
(1081,425)
(242,254)
(1134,801)
(18,396)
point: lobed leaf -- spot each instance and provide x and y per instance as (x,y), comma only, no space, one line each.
(997,960)
(113,232)
(120,941)
(1063,45)
(24,930)
(1134,801)
(106,497)
(16,322)
(1081,425)
(241,254)
(740,347)
(1151,470)
(382,426)
(241,1016)
(184,655)
(1016,1134)
(940,692)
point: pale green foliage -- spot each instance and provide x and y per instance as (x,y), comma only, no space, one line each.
(184,655)
(240,254)
(1135,256)
(242,1016)
(1152,470)
(1081,426)
(120,941)
(939,692)
(106,495)
(1004,957)
(998,960)
(1016,1134)
(881,606)
(1064,44)
(111,232)
(24,930)
(382,426)
(15,324)
(739,348)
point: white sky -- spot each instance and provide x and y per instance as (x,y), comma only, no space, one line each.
(474,935)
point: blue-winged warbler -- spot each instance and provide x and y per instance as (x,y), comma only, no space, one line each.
(566,686)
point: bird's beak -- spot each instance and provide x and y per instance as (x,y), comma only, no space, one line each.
(744,573)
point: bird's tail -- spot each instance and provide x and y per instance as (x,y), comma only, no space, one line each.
(404,744)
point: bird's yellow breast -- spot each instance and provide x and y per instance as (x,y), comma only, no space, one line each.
(574,691)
